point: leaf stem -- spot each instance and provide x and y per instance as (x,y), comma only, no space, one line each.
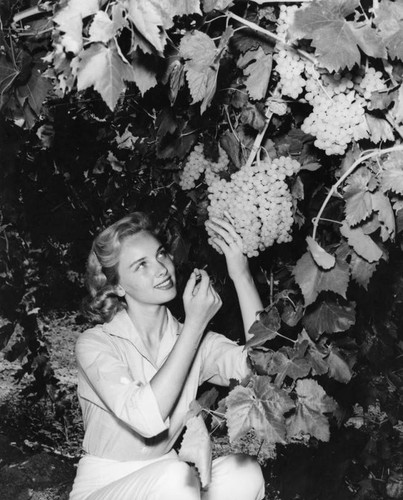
(273,36)
(335,186)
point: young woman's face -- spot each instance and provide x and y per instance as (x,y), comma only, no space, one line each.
(146,270)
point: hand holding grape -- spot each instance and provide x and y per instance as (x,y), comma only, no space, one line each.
(230,243)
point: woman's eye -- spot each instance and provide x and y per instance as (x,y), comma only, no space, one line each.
(163,253)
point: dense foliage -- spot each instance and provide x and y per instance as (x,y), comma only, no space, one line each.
(187,109)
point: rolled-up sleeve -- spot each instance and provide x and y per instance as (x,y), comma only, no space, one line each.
(104,380)
(222,360)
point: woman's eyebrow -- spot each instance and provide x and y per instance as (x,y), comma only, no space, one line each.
(137,262)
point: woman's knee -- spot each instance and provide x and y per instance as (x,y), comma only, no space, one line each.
(180,481)
(242,475)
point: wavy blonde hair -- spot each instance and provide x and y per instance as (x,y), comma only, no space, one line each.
(102,275)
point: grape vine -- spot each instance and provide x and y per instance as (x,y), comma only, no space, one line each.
(294,128)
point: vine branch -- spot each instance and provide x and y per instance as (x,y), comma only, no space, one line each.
(335,186)
(273,36)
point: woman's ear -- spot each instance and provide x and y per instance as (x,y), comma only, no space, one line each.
(120,291)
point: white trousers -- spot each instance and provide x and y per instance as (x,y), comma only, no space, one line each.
(234,477)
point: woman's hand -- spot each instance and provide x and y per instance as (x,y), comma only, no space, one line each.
(201,301)
(231,245)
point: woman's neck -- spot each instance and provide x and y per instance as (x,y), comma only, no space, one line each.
(150,321)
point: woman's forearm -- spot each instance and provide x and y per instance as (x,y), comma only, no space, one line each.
(168,382)
(249,301)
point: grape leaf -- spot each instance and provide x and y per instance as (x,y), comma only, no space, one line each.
(151,18)
(392,174)
(291,315)
(201,66)
(312,280)
(388,17)
(256,67)
(143,76)
(338,368)
(260,358)
(336,40)
(70,22)
(286,363)
(209,5)
(102,68)
(379,129)
(259,406)
(330,317)
(363,244)
(34,92)
(196,448)
(264,328)
(103,28)
(309,418)
(362,270)
(382,205)
(382,100)
(358,205)
(321,257)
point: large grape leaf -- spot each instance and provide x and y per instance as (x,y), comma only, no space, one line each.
(312,280)
(388,19)
(362,270)
(363,244)
(309,419)
(392,174)
(259,406)
(70,22)
(102,67)
(260,358)
(256,67)
(196,448)
(336,40)
(329,317)
(265,327)
(324,259)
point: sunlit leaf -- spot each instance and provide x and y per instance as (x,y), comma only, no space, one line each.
(259,406)
(209,5)
(309,419)
(358,206)
(382,205)
(338,367)
(264,328)
(388,17)
(335,39)
(379,129)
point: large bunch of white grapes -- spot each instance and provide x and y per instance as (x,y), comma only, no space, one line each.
(197,164)
(259,201)
(338,114)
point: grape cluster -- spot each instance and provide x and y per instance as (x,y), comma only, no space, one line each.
(371,81)
(289,65)
(258,199)
(338,113)
(290,68)
(197,164)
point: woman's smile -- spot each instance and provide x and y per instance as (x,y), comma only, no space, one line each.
(166,284)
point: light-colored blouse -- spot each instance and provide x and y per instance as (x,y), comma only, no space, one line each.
(122,420)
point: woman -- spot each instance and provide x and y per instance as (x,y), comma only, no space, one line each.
(139,369)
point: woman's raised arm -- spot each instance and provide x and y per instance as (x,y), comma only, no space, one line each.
(238,269)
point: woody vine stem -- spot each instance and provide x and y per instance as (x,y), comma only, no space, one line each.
(335,186)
